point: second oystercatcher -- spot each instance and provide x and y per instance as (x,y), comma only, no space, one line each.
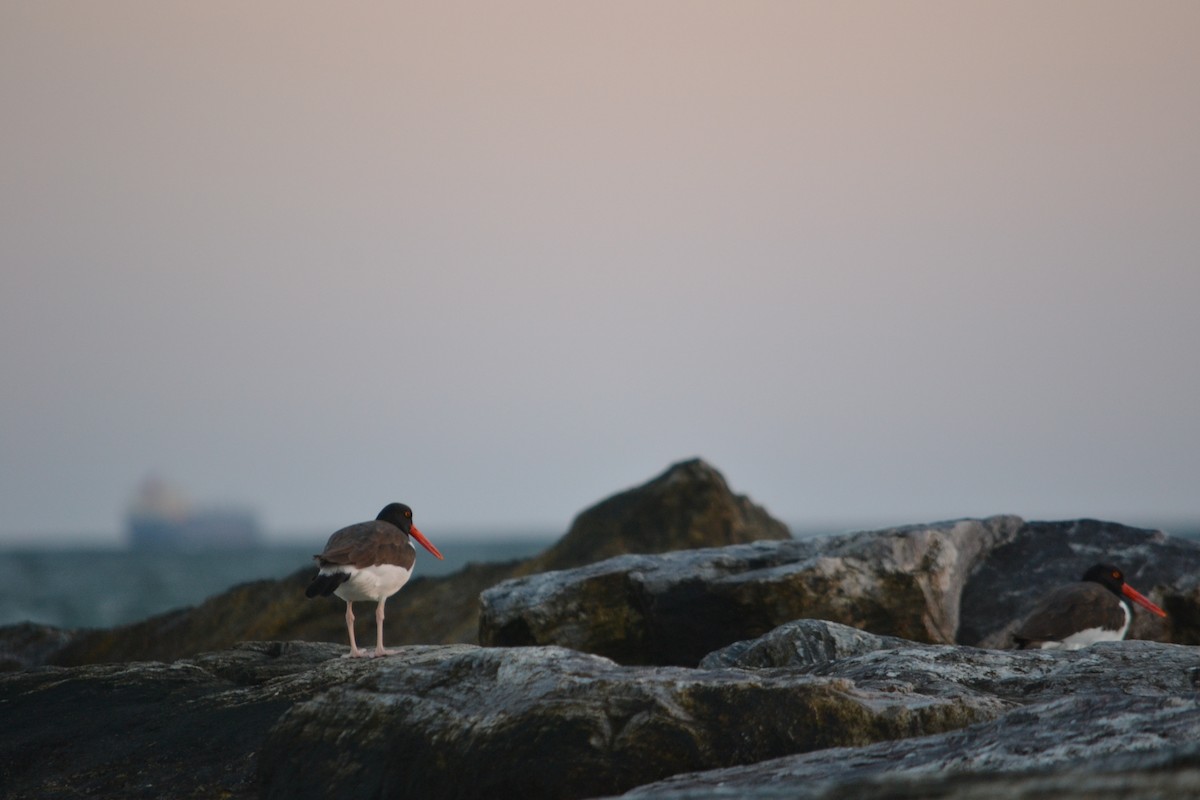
(1097,609)
(369,561)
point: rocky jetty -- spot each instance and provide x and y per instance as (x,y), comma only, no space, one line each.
(689,505)
(846,667)
(965,581)
(865,717)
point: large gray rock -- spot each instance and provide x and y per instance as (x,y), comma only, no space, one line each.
(189,729)
(1055,744)
(549,722)
(689,505)
(801,643)
(1010,580)
(967,581)
(816,647)
(1113,720)
(298,720)
(844,716)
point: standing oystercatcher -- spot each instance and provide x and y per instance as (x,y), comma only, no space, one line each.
(1094,610)
(369,561)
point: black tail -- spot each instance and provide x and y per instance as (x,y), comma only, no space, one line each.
(325,584)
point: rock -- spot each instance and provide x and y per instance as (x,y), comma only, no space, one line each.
(689,505)
(549,722)
(26,644)
(964,581)
(800,643)
(1008,583)
(191,729)
(1061,719)
(1019,755)
(910,720)
(676,607)
(815,647)
(294,720)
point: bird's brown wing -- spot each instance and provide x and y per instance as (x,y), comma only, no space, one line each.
(1069,609)
(367,544)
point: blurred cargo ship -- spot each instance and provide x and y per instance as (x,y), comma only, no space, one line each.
(161,518)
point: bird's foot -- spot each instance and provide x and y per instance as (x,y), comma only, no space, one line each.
(380,652)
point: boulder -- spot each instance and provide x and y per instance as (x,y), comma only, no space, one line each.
(299,720)
(550,722)
(689,505)
(1116,720)
(816,647)
(1009,581)
(966,581)
(27,644)
(800,643)
(1092,723)
(190,729)
(1087,746)
(844,716)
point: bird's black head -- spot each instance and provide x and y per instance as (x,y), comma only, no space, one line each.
(1113,579)
(397,514)
(1106,575)
(400,515)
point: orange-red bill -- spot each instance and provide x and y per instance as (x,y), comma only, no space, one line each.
(428,545)
(1137,597)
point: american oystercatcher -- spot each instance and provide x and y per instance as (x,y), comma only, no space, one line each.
(369,561)
(1074,616)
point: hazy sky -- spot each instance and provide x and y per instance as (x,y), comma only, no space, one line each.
(893,261)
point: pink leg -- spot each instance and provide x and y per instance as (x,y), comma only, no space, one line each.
(354,651)
(379,651)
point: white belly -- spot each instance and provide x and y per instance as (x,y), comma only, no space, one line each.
(372,583)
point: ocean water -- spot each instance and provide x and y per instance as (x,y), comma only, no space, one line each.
(99,588)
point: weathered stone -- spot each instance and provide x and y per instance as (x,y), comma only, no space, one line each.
(676,607)
(548,722)
(801,643)
(1092,707)
(191,729)
(27,644)
(688,506)
(1061,744)
(435,721)
(299,720)
(968,580)
(1010,581)
(1113,720)
(816,647)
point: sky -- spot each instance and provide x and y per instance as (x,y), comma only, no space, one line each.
(874,261)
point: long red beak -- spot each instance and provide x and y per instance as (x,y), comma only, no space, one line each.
(1137,597)
(428,545)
